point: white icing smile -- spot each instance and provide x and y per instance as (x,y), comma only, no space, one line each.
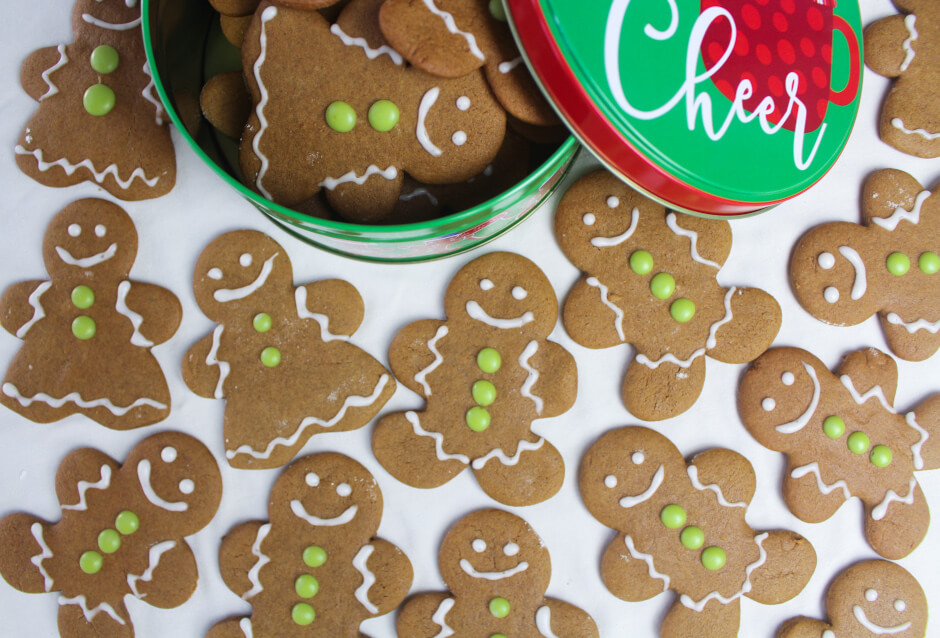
(860,283)
(143,474)
(126,26)
(427,101)
(630,501)
(468,568)
(877,629)
(86,262)
(224,295)
(476,312)
(606,242)
(301,512)
(800,422)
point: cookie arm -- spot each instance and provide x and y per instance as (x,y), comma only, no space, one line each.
(154,311)
(84,478)
(21,306)
(790,562)
(200,376)
(27,562)
(335,304)
(884,45)
(593,316)
(241,557)
(39,63)
(392,574)
(414,354)
(867,370)
(727,474)
(751,326)
(166,576)
(564,619)
(557,383)
(926,417)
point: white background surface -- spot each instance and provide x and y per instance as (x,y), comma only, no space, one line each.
(174,229)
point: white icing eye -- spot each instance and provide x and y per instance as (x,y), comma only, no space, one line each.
(168,454)
(637,458)
(486,284)
(768,404)
(518,292)
(343,489)
(871,595)
(187,486)
(510,549)
(610,481)
(463,103)
(787,378)
(214,273)
(75,230)
(589,219)
(100,230)
(459,138)
(312,479)
(826,260)
(900,605)
(831,294)
(488,170)
(613,202)
(245,260)
(479,545)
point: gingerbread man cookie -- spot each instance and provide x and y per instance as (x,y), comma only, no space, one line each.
(335,108)
(843,273)
(872,598)
(843,437)
(681,526)
(486,373)
(497,570)
(87,331)
(280,355)
(451,38)
(121,533)
(99,118)
(906,48)
(650,280)
(316,568)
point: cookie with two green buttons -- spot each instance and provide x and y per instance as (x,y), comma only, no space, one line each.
(88,330)
(99,117)
(681,526)
(121,533)
(497,570)
(843,273)
(650,279)
(280,355)
(315,568)
(844,438)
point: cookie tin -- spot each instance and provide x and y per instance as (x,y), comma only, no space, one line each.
(715,107)
(181,41)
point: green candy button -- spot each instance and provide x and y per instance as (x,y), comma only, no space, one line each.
(478,419)
(713,558)
(484,392)
(859,442)
(262,322)
(488,360)
(340,117)
(692,537)
(383,116)
(663,285)
(127,522)
(898,264)
(303,614)
(682,310)
(83,327)
(497,10)
(105,59)
(83,297)
(881,456)
(834,427)
(271,356)
(91,562)
(98,99)
(641,262)
(109,541)
(306,586)
(672,516)
(499,607)
(498,636)
(929,262)
(314,556)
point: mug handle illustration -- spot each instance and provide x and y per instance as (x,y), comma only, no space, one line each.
(847,94)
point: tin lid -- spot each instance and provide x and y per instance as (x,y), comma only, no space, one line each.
(718,107)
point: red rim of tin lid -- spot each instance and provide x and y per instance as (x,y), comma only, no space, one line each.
(587,121)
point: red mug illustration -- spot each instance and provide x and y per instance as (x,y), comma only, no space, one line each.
(773,39)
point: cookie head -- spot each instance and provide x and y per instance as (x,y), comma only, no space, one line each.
(491,552)
(238,271)
(91,236)
(877,598)
(503,291)
(331,493)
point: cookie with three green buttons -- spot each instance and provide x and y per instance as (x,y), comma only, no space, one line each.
(316,567)
(650,278)
(842,273)
(681,526)
(497,569)
(122,533)
(844,438)
(99,118)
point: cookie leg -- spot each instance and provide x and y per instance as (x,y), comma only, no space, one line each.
(790,562)
(811,497)
(802,627)
(533,474)
(657,390)
(629,573)
(412,454)
(564,619)
(231,628)
(899,523)
(81,618)
(714,621)
(424,616)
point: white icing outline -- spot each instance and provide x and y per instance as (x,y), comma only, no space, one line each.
(245,625)
(506,573)
(421,131)
(370,52)
(648,559)
(99,175)
(476,312)
(44,553)
(440,618)
(266,16)
(498,454)
(898,123)
(686,600)
(906,45)
(62,61)
(532,377)
(225,295)
(412,418)
(913,326)
(353,400)
(916,447)
(86,262)
(543,621)
(693,239)
(863,620)
(136,319)
(38,311)
(693,476)
(451,25)
(607,242)
(913,215)
(90,614)
(111,26)
(421,375)
(824,488)
(875,391)
(860,284)
(800,422)
(368,578)
(418,192)
(213,360)
(301,512)
(74,397)
(881,510)
(300,300)
(508,65)
(262,560)
(143,476)
(153,558)
(330,183)
(103,483)
(148,94)
(618,312)
(657,480)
